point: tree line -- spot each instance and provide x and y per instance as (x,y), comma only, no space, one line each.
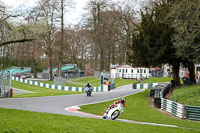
(168,33)
(163,31)
(43,40)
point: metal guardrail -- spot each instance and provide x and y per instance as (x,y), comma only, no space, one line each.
(193,112)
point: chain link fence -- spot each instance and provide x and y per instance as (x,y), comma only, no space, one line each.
(5,85)
(98,74)
(59,81)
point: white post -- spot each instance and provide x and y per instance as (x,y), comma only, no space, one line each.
(10,84)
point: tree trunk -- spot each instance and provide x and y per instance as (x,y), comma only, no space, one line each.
(34,69)
(50,67)
(109,59)
(113,55)
(60,60)
(59,66)
(101,60)
(95,60)
(176,77)
(191,69)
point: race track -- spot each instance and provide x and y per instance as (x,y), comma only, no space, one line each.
(57,104)
(68,104)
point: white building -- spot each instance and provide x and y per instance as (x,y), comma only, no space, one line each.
(129,72)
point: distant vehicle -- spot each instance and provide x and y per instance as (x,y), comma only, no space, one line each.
(129,72)
(25,75)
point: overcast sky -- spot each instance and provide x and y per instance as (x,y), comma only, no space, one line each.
(73,16)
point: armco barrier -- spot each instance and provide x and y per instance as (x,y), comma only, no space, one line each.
(193,112)
(173,107)
(144,86)
(57,87)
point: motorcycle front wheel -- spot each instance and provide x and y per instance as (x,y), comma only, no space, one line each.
(104,115)
(115,114)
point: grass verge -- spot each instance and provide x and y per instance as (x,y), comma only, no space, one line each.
(18,121)
(138,109)
(189,95)
(39,91)
(81,82)
(157,80)
(121,82)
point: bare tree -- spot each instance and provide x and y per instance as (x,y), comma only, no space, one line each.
(5,25)
(77,43)
(47,9)
(63,4)
(126,18)
(96,8)
(111,26)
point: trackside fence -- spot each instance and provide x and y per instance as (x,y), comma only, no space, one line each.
(179,110)
(144,86)
(193,112)
(173,108)
(57,87)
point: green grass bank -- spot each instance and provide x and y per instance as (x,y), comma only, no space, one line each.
(18,121)
(81,82)
(138,108)
(189,95)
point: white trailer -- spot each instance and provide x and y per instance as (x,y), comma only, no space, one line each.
(128,72)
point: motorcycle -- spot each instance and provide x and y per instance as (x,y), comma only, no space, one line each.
(88,91)
(113,113)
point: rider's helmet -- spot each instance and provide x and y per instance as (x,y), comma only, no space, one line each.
(88,84)
(123,100)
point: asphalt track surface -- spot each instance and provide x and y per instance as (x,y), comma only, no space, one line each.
(68,104)
(57,104)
